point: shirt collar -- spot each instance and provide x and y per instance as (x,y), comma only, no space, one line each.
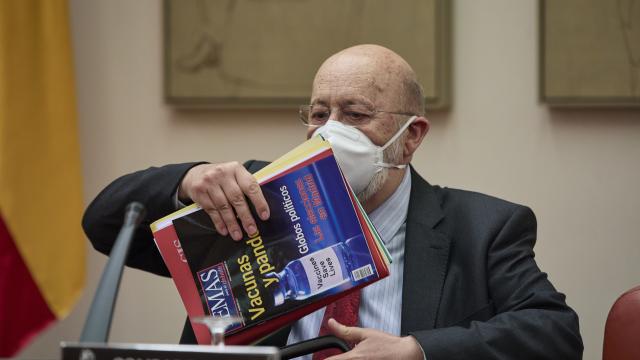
(392,213)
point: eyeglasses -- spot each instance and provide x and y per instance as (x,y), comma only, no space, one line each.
(354,115)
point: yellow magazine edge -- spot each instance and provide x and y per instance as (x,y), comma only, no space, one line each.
(167,220)
(301,152)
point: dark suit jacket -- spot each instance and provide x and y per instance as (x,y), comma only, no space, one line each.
(471,287)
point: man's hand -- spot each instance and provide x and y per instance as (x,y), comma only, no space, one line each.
(374,344)
(220,190)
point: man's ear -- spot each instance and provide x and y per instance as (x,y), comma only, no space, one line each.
(415,133)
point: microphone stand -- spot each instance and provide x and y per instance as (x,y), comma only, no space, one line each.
(98,323)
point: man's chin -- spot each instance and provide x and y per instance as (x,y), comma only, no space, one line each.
(374,186)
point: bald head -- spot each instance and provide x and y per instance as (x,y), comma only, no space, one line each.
(391,81)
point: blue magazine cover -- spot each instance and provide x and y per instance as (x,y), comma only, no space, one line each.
(313,246)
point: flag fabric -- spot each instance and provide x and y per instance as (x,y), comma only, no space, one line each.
(42,251)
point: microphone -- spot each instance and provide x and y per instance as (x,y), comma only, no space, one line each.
(98,322)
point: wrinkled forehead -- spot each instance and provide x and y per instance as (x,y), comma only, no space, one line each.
(345,80)
(341,91)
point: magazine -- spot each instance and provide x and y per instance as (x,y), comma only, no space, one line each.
(317,245)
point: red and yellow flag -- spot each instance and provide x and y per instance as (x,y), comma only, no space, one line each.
(42,248)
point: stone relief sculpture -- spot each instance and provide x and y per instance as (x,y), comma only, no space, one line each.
(263,53)
(629,14)
(590,52)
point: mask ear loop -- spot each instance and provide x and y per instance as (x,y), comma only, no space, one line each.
(394,138)
(399,132)
(385,165)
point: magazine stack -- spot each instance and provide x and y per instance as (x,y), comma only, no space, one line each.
(317,246)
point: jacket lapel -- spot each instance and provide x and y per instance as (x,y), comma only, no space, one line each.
(426,255)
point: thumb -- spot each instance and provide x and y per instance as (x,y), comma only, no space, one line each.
(350,334)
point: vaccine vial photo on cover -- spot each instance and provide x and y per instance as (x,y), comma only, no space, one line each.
(317,272)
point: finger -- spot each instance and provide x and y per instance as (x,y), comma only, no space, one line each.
(348,333)
(226,212)
(206,203)
(235,195)
(217,221)
(251,188)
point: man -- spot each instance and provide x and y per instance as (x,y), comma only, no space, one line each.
(465,283)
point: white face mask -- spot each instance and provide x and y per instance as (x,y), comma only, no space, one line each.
(359,158)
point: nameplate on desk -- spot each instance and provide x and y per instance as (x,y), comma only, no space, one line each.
(123,351)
